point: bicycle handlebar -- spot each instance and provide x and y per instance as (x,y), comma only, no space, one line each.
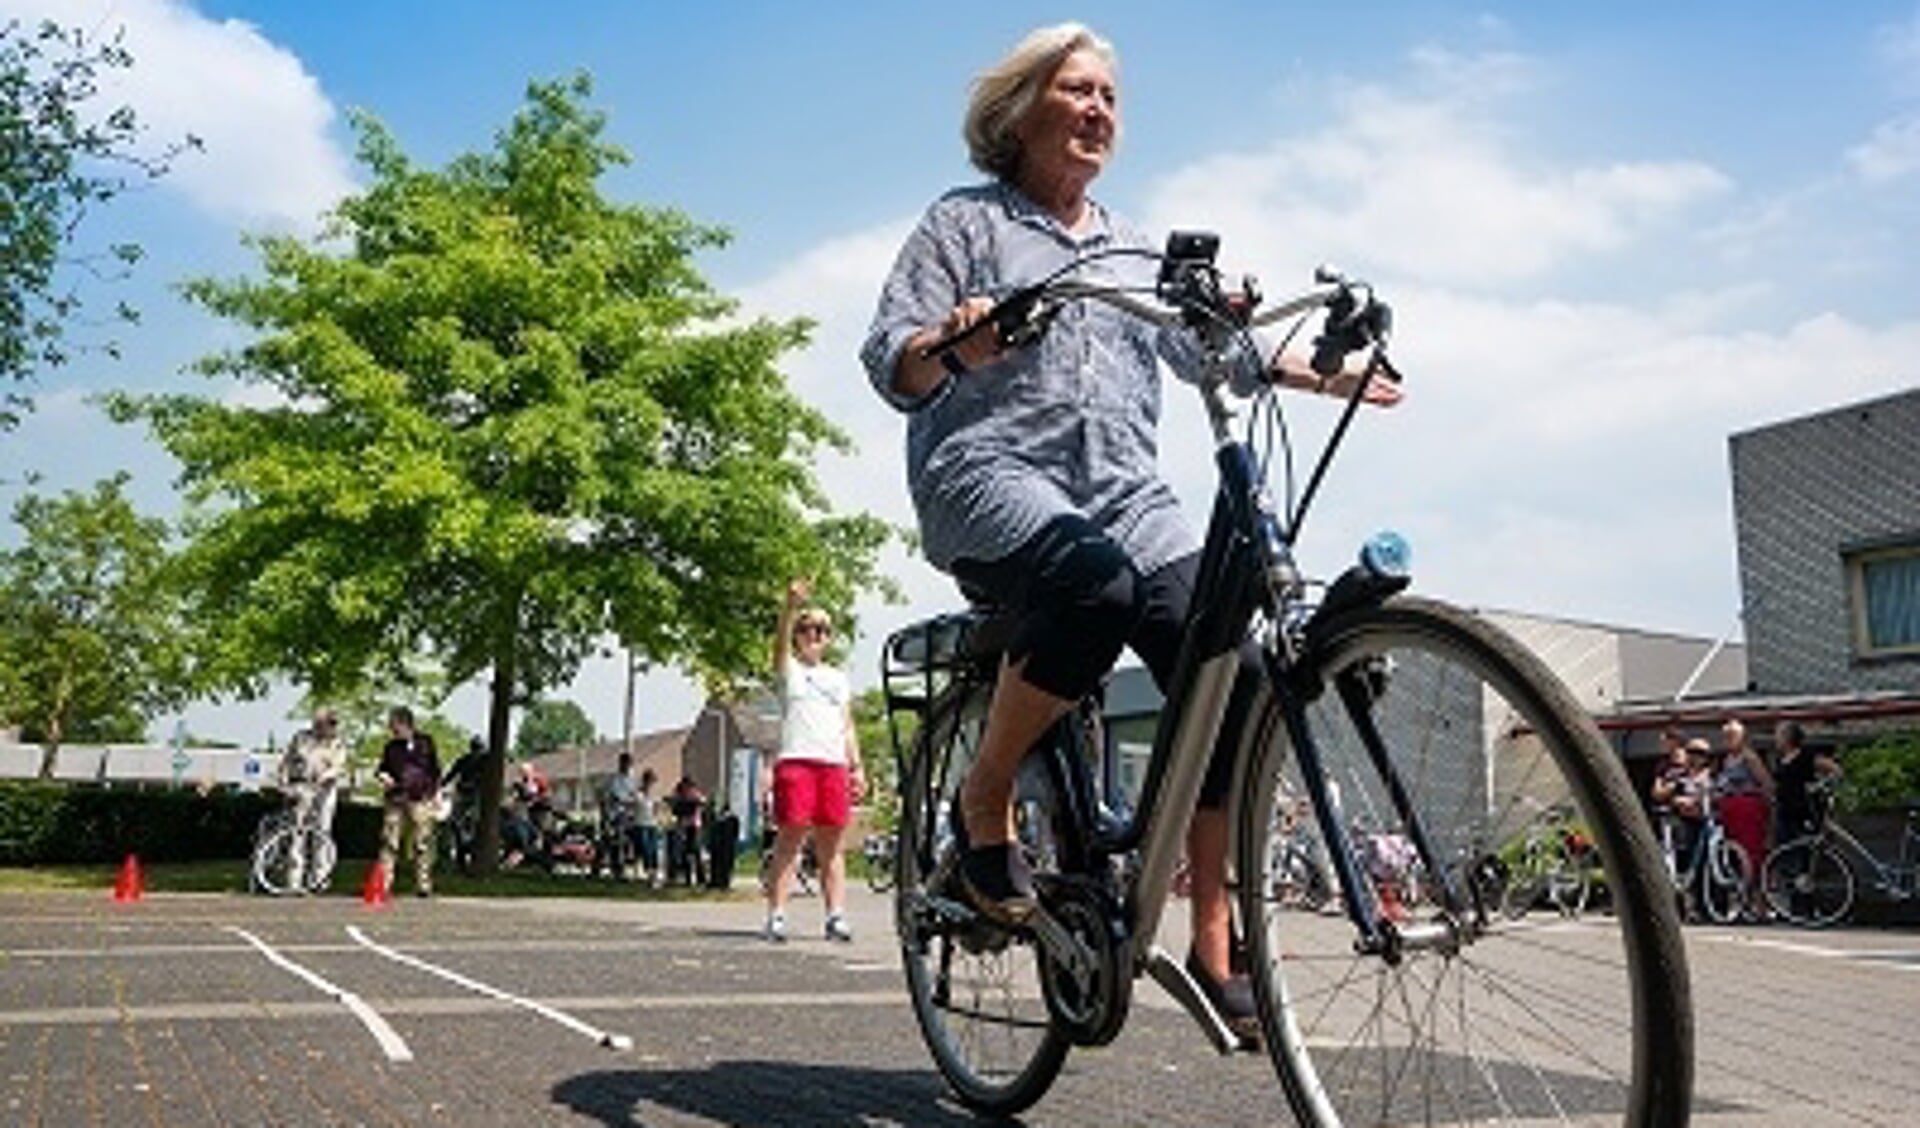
(1189,293)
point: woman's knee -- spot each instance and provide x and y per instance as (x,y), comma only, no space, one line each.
(1091,599)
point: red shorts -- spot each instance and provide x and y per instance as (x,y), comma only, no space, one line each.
(810,793)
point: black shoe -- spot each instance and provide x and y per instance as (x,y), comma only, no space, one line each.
(996,882)
(1233,999)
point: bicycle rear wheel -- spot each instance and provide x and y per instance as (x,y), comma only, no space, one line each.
(1541,1020)
(322,853)
(1808,882)
(976,987)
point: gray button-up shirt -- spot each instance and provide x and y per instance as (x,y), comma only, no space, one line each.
(1065,426)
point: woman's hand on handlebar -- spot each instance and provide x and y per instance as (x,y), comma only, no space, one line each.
(919,374)
(978,348)
(1294,372)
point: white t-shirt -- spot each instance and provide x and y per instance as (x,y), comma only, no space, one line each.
(813,713)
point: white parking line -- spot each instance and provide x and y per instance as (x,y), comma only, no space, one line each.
(390,1041)
(609,1040)
(1882,957)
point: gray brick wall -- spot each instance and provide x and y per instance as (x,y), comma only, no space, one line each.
(1803,489)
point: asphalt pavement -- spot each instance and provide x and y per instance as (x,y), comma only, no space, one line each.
(191,1010)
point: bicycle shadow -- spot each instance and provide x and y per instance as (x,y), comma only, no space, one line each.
(769,1093)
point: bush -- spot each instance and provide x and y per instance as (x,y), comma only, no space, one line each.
(1881,775)
(51,823)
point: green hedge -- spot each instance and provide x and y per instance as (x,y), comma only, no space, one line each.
(1882,775)
(50,823)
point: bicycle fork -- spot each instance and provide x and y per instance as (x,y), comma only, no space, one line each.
(1377,934)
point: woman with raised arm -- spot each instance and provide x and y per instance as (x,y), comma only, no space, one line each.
(817,777)
(1033,471)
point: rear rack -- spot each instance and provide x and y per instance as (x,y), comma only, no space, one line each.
(922,660)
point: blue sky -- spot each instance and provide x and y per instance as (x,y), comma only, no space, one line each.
(1614,234)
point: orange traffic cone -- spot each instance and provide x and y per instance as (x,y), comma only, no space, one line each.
(129,885)
(375,892)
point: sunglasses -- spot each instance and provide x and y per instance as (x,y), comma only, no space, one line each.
(820,629)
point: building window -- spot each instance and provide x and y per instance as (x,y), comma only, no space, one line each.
(1885,583)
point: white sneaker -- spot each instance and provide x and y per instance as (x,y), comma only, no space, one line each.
(776,929)
(837,929)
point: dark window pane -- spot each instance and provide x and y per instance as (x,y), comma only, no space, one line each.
(1892,587)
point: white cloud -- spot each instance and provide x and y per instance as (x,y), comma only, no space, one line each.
(1899,46)
(1891,153)
(1430,189)
(270,158)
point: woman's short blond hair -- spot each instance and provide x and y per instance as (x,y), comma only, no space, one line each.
(1003,94)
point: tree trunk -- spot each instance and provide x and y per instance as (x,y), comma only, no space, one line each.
(55,730)
(493,770)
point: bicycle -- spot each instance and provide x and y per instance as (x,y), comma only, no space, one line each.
(877,851)
(292,852)
(1811,882)
(1298,865)
(1552,862)
(1436,725)
(1718,872)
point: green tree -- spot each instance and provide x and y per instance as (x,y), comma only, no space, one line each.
(547,725)
(90,636)
(62,154)
(516,420)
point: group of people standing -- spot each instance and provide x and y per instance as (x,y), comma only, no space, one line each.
(314,766)
(1759,805)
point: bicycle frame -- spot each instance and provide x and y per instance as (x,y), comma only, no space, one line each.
(1246,565)
(1900,881)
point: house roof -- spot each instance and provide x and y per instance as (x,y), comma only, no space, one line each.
(657,750)
(1752,708)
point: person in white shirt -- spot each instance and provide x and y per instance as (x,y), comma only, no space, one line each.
(309,777)
(816,777)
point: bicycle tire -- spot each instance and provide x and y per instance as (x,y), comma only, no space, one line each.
(322,854)
(1524,887)
(1588,1021)
(1725,875)
(880,874)
(270,865)
(956,972)
(1809,882)
(1570,884)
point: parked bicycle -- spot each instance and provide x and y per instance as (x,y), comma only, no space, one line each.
(1716,877)
(1552,862)
(1814,879)
(1432,720)
(877,851)
(1298,867)
(292,851)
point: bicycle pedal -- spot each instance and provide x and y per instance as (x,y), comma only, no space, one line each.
(1172,977)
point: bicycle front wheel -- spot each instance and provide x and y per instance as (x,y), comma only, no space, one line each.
(1487,1020)
(1570,883)
(274,869)
(1725,874)
(976,987)
(1808,882)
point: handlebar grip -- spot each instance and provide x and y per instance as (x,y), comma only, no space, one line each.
(1008,317)
(946,344)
